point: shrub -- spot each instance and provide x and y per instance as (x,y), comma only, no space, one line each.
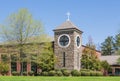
(84,70)
(62,70)
(25,73)
(99,73)
(65,72)
(39,73)
(57,70)
(4,68)
(85,73)
(59,73)
(52,73)
(15,73)
(31,73)
(44,73)
(75,73)
(92,73)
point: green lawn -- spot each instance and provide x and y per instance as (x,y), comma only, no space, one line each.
(38,78)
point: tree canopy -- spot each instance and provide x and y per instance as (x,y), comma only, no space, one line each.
(25,35)
(117,43)
(20,26)
(89,58)
(111,45)
(107,47)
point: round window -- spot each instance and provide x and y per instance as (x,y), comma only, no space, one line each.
(64,40)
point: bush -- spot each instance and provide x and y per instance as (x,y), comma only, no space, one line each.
(31,73)
(52,73)
(85,73)
(25,73)
(58,70)
(75,73)
(39,73)
(62,70)
(4,68)
(65,72)
(44,73)
(15,73)
(59,73)
(87,70)
(99,73)
(92,73)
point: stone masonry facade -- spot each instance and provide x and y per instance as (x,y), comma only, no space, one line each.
(72,52)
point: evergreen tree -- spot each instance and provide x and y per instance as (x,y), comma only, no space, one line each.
(117,43)
(107,47)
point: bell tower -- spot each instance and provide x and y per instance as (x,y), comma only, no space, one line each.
(67,46)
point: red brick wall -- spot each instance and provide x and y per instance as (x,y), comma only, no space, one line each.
(28,67)
(18,66)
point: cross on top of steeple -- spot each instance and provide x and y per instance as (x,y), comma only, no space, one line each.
(68,16)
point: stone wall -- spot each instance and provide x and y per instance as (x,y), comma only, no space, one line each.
(72,52)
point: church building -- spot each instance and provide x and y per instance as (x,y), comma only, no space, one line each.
(68,50)
(68,46)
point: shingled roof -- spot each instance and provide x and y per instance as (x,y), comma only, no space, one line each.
(67,25)
(111,59)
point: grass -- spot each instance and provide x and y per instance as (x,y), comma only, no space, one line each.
(38,78)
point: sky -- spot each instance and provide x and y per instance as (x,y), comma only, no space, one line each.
(98,19)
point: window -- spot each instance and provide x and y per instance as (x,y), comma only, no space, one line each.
(13,66)
(4,58)
(14,57)
(64,59)
(117,71)
(78,61)
(24,66)
(34,67)
(78,41)
(64,40)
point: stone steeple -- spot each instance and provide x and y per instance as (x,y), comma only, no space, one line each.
(67,46)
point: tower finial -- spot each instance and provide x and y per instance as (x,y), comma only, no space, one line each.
(68,16)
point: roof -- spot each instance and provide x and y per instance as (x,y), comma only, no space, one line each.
(111,59)
(91,48)
(67,25)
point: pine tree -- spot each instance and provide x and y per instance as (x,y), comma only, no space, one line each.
(107,47)
(117,43)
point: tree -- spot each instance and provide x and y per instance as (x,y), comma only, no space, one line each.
(117,46)
(105,65)
(117,43)
(46,58)
(19,28)
(89,58)
(107,47)
(118,61)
